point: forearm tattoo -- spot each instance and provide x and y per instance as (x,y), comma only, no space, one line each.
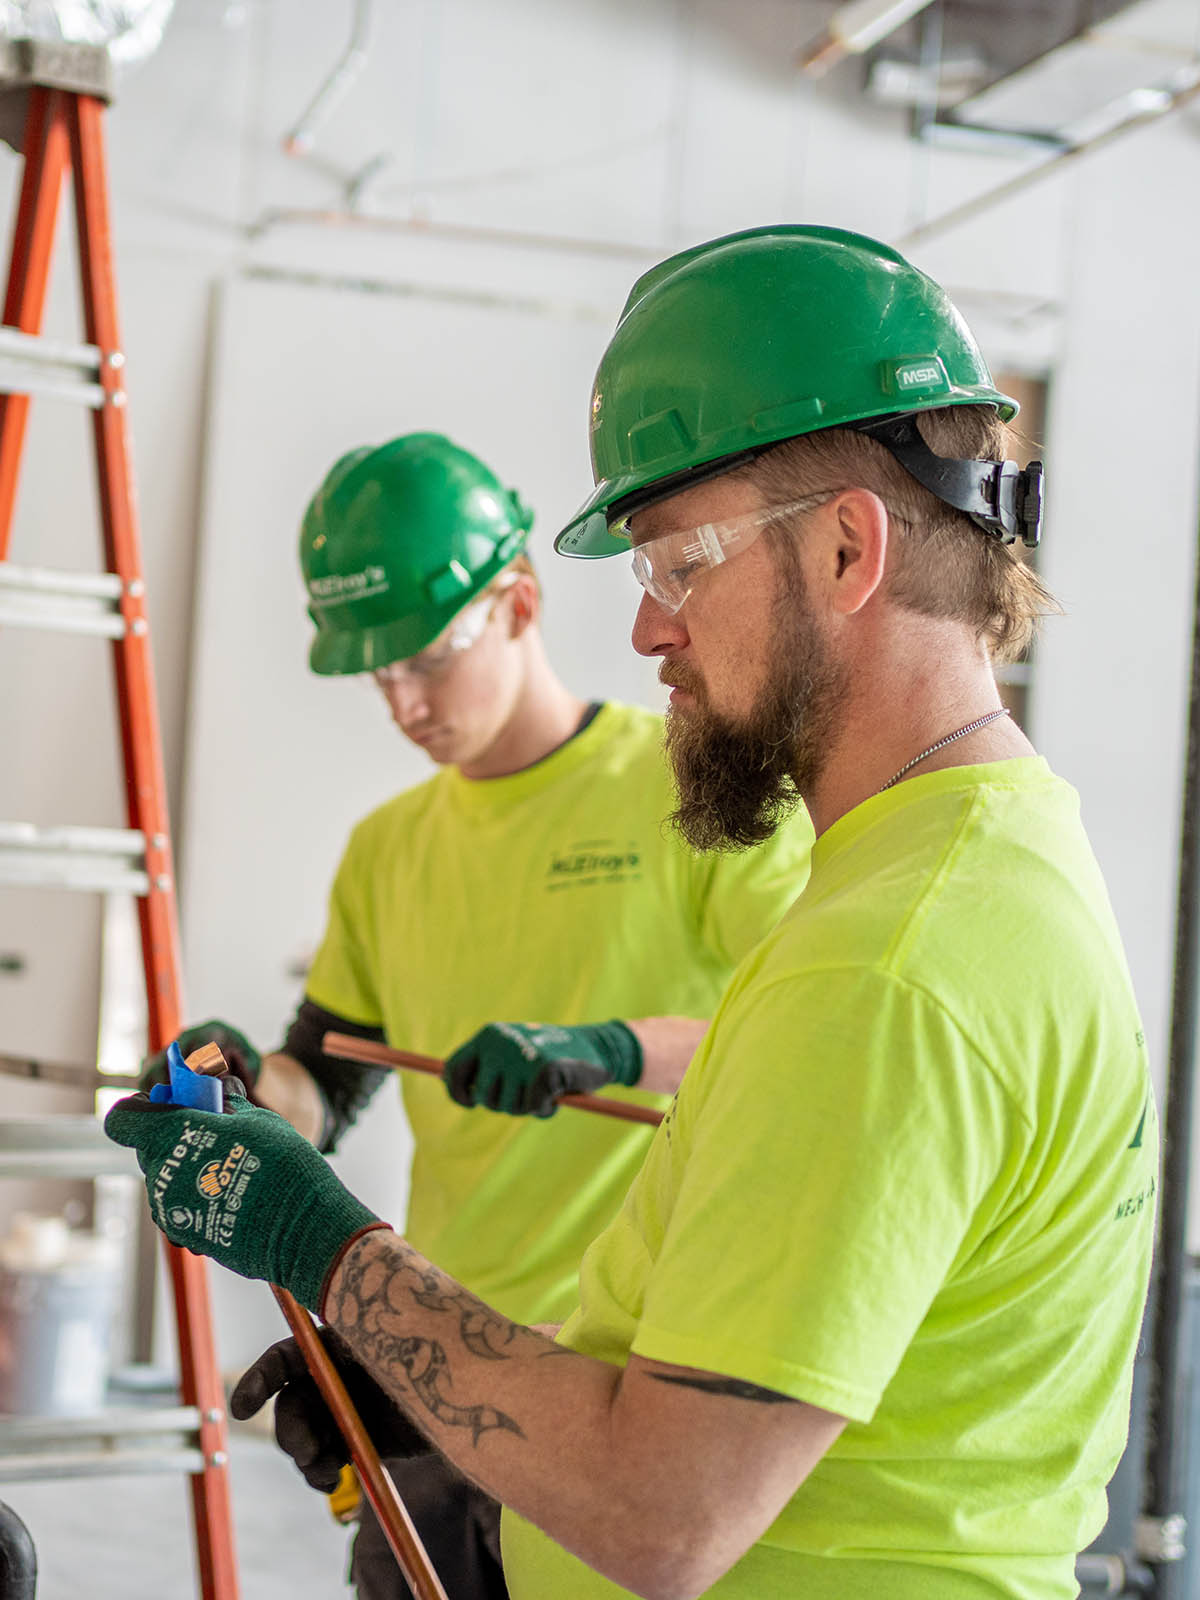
(372,1308)
(730,1386)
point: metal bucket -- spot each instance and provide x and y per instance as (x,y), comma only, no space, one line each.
(55,1322)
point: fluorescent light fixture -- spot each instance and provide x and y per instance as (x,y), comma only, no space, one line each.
(855,27)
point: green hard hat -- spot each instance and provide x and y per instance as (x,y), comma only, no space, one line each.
(395,542)
(757,337)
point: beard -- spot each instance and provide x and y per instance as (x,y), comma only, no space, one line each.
(738,778)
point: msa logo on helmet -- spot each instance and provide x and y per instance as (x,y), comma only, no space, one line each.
(907,377)
(340,586)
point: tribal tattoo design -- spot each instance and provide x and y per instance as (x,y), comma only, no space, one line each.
(734,1387)
(426,1364)
(369,1309)
(477,1323)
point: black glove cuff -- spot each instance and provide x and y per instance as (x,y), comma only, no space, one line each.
(345,1087)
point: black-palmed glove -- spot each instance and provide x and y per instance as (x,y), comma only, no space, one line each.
(304,1425)
(523,1067)
(242,1059)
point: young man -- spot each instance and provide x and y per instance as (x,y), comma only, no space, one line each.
(865,1323)
(530,877)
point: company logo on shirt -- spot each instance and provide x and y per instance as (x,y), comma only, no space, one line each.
(1136,1142)
(592,861)
(1143,1200)
(1137,1203)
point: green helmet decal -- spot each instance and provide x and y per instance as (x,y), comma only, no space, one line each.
(757,337)
(395,542)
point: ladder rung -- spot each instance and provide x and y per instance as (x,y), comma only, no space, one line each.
(60,1146)
(132,1440)
(83,359)
(99,859)
(30,364)
(18,379)
(100,1463)
(56,1072)
(45,580)
(71,602)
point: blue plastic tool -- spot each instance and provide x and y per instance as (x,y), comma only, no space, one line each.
(187,1088)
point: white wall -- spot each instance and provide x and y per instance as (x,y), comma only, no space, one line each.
(629,128)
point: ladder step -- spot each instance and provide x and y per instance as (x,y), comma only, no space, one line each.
(30,364)
(60,1146)
(70,602)
(56,1072)
(130,1440)
(56,64)
(96,859)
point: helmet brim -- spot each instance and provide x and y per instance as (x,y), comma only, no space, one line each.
(343,652)
(587,536)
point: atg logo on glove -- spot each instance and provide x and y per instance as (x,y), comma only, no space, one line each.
(216,1177)
(222,1183)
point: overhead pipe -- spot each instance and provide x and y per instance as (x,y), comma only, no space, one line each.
(854,28)
(299,140)
(1142,117)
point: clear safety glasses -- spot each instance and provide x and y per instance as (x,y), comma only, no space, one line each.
(667,567)
(436,660)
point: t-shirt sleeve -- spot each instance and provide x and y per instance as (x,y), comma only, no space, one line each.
(342,977)
(743,896)
(840,1151)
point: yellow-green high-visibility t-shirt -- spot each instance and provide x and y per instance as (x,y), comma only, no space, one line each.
(909,1177)
(553,895)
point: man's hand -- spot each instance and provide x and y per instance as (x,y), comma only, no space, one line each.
(304,1425)
(523,1067)
(243,1187)
(242,1059)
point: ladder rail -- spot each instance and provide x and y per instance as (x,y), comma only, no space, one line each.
(47,153)
(145,788)
(145,781)
(64,128)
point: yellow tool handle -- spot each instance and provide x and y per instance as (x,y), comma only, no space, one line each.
(345,1501)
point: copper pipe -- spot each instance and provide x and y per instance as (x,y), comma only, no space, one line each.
(398,1530)
(347,1048)
(378,1487)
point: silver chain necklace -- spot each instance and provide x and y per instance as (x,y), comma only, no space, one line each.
(959,733)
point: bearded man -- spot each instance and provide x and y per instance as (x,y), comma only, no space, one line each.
(866,1322)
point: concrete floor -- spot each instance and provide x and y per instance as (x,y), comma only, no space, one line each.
(130,1538)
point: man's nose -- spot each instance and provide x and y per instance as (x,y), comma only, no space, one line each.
(657,631)
(406,698)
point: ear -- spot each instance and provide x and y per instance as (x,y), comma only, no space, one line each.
(854,549)
(524,602)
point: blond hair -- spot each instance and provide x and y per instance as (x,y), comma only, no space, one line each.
(941,564)
(519,567)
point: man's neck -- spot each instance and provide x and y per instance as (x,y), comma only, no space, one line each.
(545,716)
(884,730)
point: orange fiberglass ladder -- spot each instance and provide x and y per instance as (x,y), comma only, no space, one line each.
(67,88)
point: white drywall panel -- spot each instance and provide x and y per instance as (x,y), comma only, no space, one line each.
(280,763)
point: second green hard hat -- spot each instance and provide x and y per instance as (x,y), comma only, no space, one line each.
(757,337)
(395,542)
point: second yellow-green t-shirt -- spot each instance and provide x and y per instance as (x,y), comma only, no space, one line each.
(556,894)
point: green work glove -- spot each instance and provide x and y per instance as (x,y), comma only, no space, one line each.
(242,1059)
(523,1067)
(243,1187)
